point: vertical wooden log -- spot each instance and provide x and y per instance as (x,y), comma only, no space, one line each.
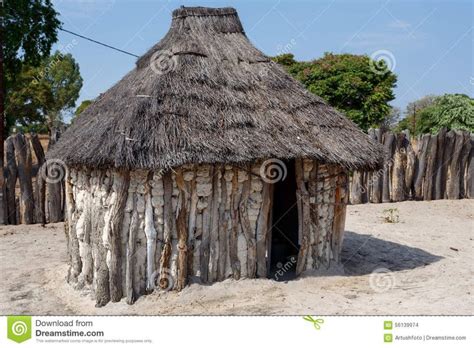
(40,182)
(357,187)
(214,224)
(247,230)
(470,171)
(388,142)
(399,166)
(454,167)
(23,155)
(233,246)
(121,183)
(192,225)
(339,215)
(440,166)
(12,175)
(169,225)
(182,230)
(421,166)
(263,226)
(206,233)
(75,262)
(429,178)
(130,262)
(410,167)
(315,199)
(223,227)
(464,161)
(303,197)
(377,177)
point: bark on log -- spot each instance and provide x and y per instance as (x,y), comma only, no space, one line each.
(464,161)
(388,142)
(421,166)
(182,230)
(454,168)
(130,263)
(263,226)
(233,247)
(410,169)
(429,177)
(247,230)
(440,176)
(302,195)
(214,224)
(75,262)
(121,183)
(169,225)
(223,227)
(470,171)
(11,179)
(40,197)
(377,177)
(399,165)
(23,155)
(357,187)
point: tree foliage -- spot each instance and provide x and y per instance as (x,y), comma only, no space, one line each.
(82,107)
(430,114)
(44,93)
(351,83)
(30,31)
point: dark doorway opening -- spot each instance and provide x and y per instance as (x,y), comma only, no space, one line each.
(284,232)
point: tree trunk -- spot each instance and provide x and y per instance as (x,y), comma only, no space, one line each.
(23,154)
(357,187)
(464,161)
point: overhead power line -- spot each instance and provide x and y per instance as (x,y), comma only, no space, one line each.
(97,42)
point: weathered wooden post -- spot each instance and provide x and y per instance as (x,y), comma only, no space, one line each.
(453,182)
(23,155)
(440,175)
(429,177)
(12,175)
(421,166)
(399,165)
(388,142)
(464,161)
(40,197)
(470,171)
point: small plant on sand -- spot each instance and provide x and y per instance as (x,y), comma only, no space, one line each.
(391,215)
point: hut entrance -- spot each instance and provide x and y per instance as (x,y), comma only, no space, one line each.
(284,233)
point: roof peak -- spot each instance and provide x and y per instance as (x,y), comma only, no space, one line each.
(203,11)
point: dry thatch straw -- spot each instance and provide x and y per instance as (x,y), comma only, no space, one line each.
(205,94)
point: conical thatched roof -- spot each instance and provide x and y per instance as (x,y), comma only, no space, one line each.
(204,94)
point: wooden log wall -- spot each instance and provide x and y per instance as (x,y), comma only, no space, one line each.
(33,190)
(428,167)
(131,233)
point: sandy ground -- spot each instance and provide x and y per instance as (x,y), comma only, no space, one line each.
(429,253)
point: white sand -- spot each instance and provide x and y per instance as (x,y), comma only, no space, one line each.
(428,276)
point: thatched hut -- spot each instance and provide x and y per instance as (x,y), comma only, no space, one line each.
(206,161)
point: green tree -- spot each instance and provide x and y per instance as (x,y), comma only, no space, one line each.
(430,114)
(82,107)
(45,93)
(354,84)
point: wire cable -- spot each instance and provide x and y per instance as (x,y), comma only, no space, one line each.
(99,43)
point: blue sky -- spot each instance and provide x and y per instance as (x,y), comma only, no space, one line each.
(429,44)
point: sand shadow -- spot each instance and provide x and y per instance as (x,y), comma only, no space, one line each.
(363,253)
